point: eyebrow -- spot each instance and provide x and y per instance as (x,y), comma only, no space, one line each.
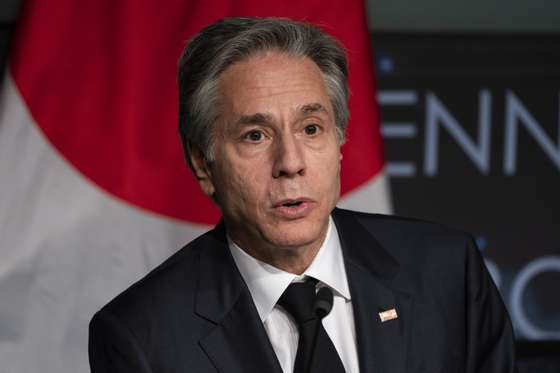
(313,108)
(256,118)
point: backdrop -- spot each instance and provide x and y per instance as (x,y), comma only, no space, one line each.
(471,125)
(95,192)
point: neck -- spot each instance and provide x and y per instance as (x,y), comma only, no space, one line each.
(292,259)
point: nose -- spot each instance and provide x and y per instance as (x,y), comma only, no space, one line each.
(289,158)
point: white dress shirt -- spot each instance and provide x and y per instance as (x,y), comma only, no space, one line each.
(267,283)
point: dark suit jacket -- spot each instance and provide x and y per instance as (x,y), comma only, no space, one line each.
(194,312)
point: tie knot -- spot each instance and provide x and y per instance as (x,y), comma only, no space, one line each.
(298,300)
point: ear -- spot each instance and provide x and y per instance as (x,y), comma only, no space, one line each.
(202,171)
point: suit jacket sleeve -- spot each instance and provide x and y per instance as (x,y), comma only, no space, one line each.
(113,348)
(490,341)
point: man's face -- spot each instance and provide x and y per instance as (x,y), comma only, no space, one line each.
(276,169)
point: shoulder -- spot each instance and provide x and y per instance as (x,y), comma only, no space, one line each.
(389,228)
(141,323)
(171,285)
(416,243)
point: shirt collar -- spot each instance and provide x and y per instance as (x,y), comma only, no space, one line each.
(266,283)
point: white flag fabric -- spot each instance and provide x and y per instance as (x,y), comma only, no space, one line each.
(93,189)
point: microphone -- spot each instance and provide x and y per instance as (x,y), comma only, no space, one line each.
(323,302)
(322,306)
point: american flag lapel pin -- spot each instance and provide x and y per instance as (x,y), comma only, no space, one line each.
(388,315)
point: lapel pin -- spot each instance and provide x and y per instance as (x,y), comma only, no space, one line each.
(388,315)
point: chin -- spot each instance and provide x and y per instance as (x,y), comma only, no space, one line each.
(295,234)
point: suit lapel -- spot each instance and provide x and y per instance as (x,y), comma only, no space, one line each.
(238,342)
(382,346)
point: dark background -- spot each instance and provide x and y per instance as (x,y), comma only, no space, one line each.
(452,62)
(513,213)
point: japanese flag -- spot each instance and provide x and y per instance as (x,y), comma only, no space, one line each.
(94,191)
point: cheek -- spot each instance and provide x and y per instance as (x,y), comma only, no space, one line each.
(335,186)
(240,188)
(327,171)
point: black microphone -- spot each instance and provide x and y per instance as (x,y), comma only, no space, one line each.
(323,302)
(322,306)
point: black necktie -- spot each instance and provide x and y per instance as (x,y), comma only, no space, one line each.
(298,300)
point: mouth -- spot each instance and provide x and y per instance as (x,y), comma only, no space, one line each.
(294,208)
(291,203)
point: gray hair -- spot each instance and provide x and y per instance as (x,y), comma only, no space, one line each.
(232,40)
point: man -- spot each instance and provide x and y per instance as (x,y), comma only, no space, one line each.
(262,118)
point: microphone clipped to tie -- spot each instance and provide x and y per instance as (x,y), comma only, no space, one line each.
(322,306)
(323,302)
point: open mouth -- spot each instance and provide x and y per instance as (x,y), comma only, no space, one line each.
(292,204)
(294,208)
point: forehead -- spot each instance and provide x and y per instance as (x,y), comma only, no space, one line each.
(272,82)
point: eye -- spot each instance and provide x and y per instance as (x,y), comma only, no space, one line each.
(254,136)
(311,129)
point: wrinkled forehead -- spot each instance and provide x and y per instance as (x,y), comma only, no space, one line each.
(271,82)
